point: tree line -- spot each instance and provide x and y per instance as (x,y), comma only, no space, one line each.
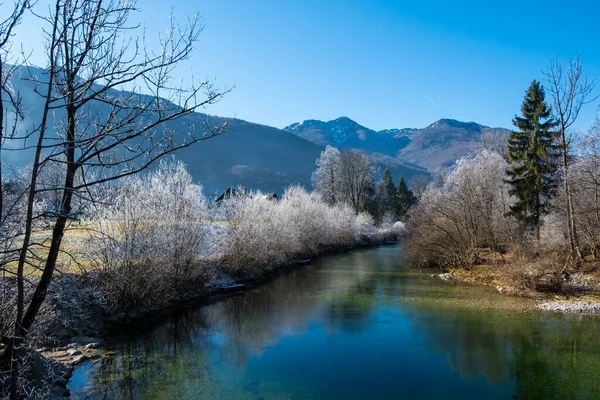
(535,196)
(347,177)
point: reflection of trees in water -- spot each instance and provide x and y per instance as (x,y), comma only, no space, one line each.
(158,352)
(182,351)
(558,358)
(256,319)
(546,356)
(191,355)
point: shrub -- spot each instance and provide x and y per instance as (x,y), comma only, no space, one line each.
(266,233)
(466,212)
(152,237)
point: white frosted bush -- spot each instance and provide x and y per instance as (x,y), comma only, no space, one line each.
(399,227)
(152,233)
(267,233)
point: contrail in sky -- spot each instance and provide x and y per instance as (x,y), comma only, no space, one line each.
(432,102)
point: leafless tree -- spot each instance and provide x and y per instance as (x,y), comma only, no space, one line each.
(586,187)
(468,212)
(571,90)
(9,101)
(356,179)
(105,129)
(418,184)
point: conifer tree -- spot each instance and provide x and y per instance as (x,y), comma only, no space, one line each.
(405,199)
(386,195)
(533,159)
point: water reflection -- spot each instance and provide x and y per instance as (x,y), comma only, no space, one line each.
(357,326)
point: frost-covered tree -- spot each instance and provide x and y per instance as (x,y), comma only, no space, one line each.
(265,234)
(452,222)
(585,174)
(356,179)
(325,178)
(151,234)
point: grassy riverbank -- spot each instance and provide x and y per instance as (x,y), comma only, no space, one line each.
(545,277)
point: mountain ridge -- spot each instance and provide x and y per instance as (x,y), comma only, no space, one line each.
(435,146)
(253,155)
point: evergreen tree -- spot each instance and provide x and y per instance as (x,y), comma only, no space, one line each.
(405,199)
(386,196)
(533,159)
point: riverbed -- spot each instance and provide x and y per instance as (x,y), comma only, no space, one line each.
(358,325)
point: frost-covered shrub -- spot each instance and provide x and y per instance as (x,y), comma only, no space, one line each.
(266,233)
(399,227)
(70,309)
(467,212)
(153,234)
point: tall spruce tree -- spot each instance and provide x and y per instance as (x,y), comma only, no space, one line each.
(533,160)
(405,199)
(385,196)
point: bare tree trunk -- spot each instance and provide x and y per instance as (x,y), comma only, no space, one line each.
(572,228)
(14,347)
(570,91)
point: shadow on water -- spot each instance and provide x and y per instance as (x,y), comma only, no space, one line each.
(349,326)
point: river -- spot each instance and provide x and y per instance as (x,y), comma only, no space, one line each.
(353,326)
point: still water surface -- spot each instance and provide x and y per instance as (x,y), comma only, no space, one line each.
(354,326)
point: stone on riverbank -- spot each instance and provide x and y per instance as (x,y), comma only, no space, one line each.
(448,276)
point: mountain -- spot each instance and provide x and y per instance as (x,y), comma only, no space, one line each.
(344,133)
(443,142)
(248,154)
(435,146)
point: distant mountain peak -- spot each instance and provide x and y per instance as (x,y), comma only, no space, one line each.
(437,145)
(342,119)
(452,123)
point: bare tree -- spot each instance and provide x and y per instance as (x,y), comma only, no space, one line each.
(9,101)
(586,187)
(571,90)
(105,128)
(468,212)
(418,184)
(356,179)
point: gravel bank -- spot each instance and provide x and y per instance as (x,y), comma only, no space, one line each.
(582,307)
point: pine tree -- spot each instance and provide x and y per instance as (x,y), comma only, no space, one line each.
(405,199)
(387,200)
(533,159)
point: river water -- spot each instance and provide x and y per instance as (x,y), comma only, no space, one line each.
(353,326)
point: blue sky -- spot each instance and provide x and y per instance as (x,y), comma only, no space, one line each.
(382,63)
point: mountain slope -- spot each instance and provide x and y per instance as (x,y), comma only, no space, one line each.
(435,146)
(250,155)
(443,142)
(344,133)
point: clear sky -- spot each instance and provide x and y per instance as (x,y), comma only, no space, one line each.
(383,63)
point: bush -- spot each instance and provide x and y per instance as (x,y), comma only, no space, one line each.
(152,237)
(537,269)
(266,233)
(468,211)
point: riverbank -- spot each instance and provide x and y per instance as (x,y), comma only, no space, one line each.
(356,313)
(576,291)
(81,341)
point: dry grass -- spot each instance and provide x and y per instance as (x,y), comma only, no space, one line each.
(537,272)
